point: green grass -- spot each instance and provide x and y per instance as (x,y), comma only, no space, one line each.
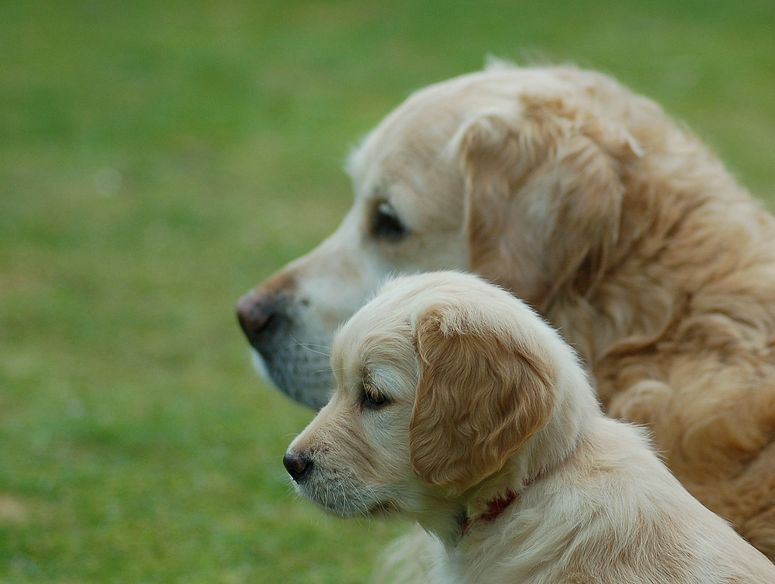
(157,159)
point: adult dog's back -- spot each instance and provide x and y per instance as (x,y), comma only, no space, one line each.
(679,327)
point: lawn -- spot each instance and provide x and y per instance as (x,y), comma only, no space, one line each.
(157,159)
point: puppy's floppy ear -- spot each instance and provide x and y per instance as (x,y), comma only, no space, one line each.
(481,394)
(543,195)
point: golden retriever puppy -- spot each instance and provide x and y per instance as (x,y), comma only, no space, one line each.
(607,217)
(457,406)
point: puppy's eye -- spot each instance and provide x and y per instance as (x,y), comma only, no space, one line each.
(386,224)
(373,399)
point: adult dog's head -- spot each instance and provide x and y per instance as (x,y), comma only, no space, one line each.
(439,382)
(513,173)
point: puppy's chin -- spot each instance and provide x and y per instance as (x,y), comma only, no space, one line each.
(346,502)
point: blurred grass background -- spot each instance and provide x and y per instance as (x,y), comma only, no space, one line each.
(157,159)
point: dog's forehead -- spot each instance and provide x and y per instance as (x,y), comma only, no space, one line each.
(412,136)
(419,128)
(383,316)
(416,145)
(400,301)
(380,329)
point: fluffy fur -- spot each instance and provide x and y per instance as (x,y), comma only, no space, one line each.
(478,398)
(611,220)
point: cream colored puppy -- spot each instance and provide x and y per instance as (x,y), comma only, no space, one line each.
(456,405)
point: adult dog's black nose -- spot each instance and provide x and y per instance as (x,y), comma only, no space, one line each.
(255,311)
(297,465)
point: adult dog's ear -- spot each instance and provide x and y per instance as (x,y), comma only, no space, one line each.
(481,394)
(543,195)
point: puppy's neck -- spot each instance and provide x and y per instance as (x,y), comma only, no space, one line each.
(574,412)
(520,474)
(454,518)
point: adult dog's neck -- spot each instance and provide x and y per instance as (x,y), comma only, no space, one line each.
(683,235)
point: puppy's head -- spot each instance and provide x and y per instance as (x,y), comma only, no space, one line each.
(440,380)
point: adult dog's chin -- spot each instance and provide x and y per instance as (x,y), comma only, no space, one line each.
(305,379)
(260,366)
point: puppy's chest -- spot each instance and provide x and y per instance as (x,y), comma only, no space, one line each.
(485,559)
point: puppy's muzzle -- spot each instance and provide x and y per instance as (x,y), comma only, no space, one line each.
(298,465)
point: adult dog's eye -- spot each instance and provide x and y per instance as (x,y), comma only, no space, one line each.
(373,399)
(386,224)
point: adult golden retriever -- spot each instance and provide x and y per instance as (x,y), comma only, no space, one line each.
(457,406)
(610,219)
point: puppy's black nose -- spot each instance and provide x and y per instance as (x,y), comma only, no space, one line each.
(255,310)
(297,465)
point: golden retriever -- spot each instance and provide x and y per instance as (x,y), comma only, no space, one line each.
(457,406)
(611,220)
